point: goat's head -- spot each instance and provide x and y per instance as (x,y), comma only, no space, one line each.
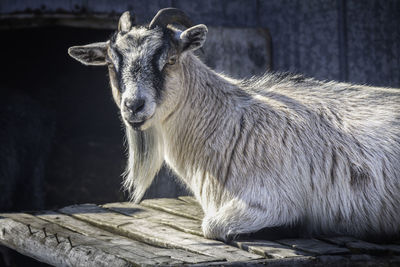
(139,59)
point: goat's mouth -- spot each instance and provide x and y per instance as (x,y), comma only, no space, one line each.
(136,125)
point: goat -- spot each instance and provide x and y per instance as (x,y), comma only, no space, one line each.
(268,151)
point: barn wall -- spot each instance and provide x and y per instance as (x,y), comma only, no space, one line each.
(356,41)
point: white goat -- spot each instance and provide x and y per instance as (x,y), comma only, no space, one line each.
(263,152)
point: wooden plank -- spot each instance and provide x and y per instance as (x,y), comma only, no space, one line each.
(360,246)
(263,248)
(295,261)
(190,200)
(314,246)
(78,239)
(190,205)
(140,212)
(43,246)
(269,249)
(156,233)
(175,206)
(152,255)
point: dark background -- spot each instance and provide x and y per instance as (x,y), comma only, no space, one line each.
(61,140)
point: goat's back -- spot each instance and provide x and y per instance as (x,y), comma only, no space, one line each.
(333,149)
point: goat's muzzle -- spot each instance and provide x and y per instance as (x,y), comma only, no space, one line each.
(134,106)
(133,112)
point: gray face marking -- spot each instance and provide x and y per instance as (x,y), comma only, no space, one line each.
(137,60)
(115,58)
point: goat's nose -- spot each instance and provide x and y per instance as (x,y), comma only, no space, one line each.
(135,106)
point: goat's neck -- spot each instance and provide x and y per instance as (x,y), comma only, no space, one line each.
(206,113)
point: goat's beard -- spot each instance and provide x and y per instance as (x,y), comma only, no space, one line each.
(145,159)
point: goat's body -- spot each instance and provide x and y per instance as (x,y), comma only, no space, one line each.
(264,152)
(279,150)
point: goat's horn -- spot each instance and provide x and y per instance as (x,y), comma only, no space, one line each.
(169,16)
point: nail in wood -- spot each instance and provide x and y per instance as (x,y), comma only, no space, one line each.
(69,240)
(58,241)
(30,230)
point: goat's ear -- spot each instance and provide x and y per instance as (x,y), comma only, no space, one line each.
(91,54)
(193,38)
(126,21)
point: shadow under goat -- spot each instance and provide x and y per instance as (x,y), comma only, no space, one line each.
(25,140)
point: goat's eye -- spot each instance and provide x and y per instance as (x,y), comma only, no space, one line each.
(110,64)
(172,60)
(109,61)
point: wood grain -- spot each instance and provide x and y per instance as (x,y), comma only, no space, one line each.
(156,233)
(167,232)
(175,206)
(314,246)
(180,223)
(147,254)
(44,247)
(270,249)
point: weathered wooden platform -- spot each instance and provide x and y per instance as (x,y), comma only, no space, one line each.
(167,232)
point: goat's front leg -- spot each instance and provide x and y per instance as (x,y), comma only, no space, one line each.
(237,218)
